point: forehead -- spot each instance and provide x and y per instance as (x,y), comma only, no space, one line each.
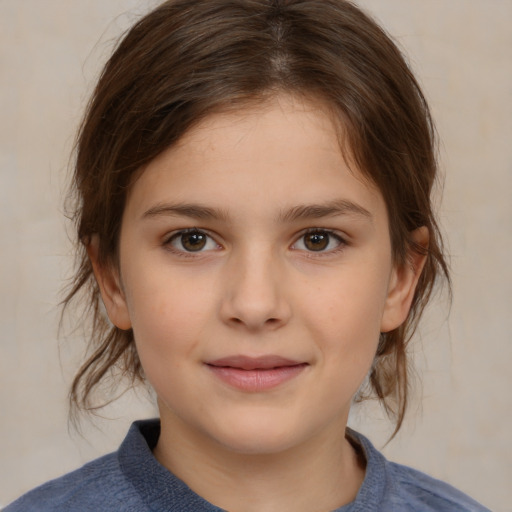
(271,156)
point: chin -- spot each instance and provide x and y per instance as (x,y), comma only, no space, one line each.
(258,444)
(259,437)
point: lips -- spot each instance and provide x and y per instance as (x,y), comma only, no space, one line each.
(253,363)
(255,374)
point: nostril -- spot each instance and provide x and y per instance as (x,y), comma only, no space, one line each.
(272,322)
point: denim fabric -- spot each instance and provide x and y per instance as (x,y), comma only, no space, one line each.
(132,480)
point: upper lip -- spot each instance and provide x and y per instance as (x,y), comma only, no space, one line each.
(254,363)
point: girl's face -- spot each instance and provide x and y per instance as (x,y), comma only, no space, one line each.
(256,273)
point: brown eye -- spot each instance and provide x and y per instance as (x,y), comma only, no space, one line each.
(192,241)
(318,241)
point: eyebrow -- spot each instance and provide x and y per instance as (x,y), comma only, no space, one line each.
(300,212)
(330,209)
(194,211)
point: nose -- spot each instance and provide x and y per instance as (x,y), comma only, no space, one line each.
(254,292)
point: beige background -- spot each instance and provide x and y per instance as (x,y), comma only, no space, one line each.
(50,52)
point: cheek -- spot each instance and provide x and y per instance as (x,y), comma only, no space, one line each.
(344,316)
(168,315)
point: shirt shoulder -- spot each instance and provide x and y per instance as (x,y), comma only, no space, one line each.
(129,480)
(414,490)
(99,485)
(392,487)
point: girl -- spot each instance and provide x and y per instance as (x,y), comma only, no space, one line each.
(253,209)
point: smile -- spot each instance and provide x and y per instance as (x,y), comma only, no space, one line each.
(255,374)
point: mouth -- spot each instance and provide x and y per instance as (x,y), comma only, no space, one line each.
(255,374)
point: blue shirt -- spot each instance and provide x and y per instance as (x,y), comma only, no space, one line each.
(132,480)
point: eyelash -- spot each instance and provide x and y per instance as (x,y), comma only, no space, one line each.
(332,235)
(179,234)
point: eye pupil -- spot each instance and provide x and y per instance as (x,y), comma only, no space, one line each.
(194,241)
(316,241)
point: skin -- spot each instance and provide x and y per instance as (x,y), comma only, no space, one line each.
(257,288)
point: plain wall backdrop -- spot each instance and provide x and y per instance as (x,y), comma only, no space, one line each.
(458,429)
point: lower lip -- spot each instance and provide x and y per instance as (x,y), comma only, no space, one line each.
(259,379)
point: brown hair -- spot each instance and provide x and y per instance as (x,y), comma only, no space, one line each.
(190,58)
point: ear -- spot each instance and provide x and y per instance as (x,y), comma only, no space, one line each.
(111,290)
(402,284)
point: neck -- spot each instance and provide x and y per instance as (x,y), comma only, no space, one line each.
(322,474)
